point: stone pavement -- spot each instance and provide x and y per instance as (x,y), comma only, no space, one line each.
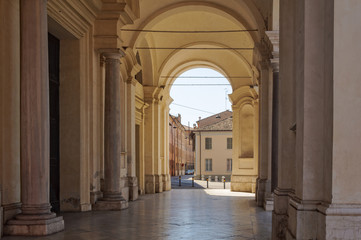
(177,214)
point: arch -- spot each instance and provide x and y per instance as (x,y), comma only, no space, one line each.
(174,53)
(174,67)
(188,65)
(228,13)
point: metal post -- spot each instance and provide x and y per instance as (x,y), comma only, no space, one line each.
(207,182)
(180,181)
(224,183)
(192,181)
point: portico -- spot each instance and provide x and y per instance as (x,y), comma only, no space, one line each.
(293,68)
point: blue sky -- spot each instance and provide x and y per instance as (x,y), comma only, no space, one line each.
(209,99)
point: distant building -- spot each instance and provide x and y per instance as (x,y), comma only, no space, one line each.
(213,146)
(181,150)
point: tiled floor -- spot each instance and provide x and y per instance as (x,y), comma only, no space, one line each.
(177,214)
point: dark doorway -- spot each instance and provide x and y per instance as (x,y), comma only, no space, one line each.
(53,48)
(137,152)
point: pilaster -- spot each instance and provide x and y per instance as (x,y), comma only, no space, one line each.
(131,161)
(140,160)
(263,177)
(245,137)
(286,138)
(165,142)
(153,160)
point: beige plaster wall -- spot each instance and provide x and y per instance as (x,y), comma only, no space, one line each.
(10,106)
(75,137)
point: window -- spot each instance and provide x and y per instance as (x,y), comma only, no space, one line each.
(208,164)
(229,143)
(208,143)
(229,164)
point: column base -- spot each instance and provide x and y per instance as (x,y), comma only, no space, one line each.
(260,191)
(33,227)
(107,205)
(243,183)
(158,183)
(167,182)
(133,188)
(149,184)
(279,214)
(268,203)
(302,219)
(279,226)
(95,196)
(342,221)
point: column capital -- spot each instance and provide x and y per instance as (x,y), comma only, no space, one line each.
(113,53)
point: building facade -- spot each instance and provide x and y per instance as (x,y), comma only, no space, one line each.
(213,147)
(181,150)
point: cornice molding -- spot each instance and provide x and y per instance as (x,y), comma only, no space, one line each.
(76,16)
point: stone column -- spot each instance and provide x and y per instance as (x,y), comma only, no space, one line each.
(36,217)
(113,184)
(132,178)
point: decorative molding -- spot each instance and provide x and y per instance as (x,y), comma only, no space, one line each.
(340,209)
(242,92)
(274,39)
(117,10)
(76,16)
(109,52)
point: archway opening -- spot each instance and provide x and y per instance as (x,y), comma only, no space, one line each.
(200,123)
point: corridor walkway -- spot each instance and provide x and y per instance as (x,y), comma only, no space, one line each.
(178,214)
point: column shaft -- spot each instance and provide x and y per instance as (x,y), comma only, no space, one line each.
(113,183)
(112,138)
(34,90)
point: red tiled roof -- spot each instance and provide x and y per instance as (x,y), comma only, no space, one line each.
(213,119)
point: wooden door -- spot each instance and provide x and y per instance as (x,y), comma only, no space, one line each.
(53,47)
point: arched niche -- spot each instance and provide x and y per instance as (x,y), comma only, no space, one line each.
(247,130)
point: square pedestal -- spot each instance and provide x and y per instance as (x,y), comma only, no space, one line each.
(133,193)
(102,205)
(34,227)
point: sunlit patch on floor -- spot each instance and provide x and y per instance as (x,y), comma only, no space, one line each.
(228,193)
